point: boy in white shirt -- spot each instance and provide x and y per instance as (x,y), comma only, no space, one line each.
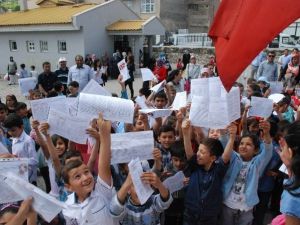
(23,146)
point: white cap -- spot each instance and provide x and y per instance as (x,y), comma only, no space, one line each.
(62,59)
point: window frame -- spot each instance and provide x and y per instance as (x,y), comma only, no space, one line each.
(11,46)
(59,42)
(44,44)
(150,4)
(30,44)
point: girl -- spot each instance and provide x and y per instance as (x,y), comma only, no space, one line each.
(290,155)
(11,103)
(175,80)
(241,180)
(98,72)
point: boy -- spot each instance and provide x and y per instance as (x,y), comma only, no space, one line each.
(166,138)
(21,110)
(23,146)
(160,100)
(23,72)
(59,88)
(93,202)
(73,89)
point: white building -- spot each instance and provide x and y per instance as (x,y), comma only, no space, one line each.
(50,31)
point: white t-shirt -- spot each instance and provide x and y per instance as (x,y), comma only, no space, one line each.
(94,210)
(237,197)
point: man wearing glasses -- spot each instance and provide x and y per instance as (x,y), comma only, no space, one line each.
(268,68)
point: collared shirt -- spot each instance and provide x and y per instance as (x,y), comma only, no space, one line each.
(24,147)
(101,207)
(47,81)
(204,192)
(284,60)
(262,56)
(268,70)
(166,155)
(82,75)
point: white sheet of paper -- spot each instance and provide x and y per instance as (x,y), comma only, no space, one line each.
(72,106)
(284,169)
(276,97)
(122,65)
(143,191)
(261,107)
(94,88)
(128,146)
(18,167)
(45,205)
(141,101)
(3,149)
(175,182)
(40,108)
(276,87)
(157,113)
(160,86)
(179,101)
(27,84)
(72,128)
(212,106)
(147,74)
(114,109)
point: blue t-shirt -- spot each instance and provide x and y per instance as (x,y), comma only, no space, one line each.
(290,202)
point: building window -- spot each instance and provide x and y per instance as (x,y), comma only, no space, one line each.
(147,6)
(30,46)
(13,46)
(194,7)
(44,46)
(62,46)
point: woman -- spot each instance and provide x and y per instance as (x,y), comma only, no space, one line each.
(98,72)
(292,73)
(175,79)
(290,155)
(11,103)
(131,69)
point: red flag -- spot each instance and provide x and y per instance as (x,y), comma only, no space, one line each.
(242,28)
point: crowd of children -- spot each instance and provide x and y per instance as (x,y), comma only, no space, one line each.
(232,175)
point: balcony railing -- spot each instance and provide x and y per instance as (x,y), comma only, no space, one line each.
(194,39)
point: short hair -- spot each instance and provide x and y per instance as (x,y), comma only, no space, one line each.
(177,150)
(12,120)
(214,146)
(68,167)
(32,67)
(79,56)
(74,84)
(166,128)
(254,138)
(20,105)
(3,107)
(46,63)
(57,86)
(254,87)
(70,154)
(145,91)
(272,52)
(160,94)
(52,94)
(22,65)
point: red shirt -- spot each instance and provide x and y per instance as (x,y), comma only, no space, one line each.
(160,73)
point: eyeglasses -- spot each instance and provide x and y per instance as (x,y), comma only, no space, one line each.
(271,56)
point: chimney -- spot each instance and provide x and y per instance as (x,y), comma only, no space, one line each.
(23,5)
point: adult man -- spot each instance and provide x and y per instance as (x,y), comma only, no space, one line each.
(80,72)
(284,59)
(62,72)
(46,79)
(193,69)
(268,68)
(256,63)
(12,71)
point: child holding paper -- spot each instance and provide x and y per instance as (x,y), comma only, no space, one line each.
(240,184)
(206,169)
(23,112)
(23,146)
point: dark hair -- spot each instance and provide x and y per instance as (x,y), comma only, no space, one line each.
(57,86)
(286,100)
(215,146)
(292,139)
(32,67)
(160,94)
(272,52)
(166,128)
(254,87)
(273,128)
(254,139)
(12,120)
(20,105)
(95,64)
(74,84)
(22,65)
(172,75)
(46,63)
(68,167)
(79,56)
(256,94)
(177,150)
(9,208)
(13,97)
(145,91)
(3,107)
(52,94)
(130,59)
(70,154)
(55,138)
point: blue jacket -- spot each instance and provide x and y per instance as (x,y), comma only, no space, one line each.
(256,169)
(290,202)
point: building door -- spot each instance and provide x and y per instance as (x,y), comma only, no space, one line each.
(121,43)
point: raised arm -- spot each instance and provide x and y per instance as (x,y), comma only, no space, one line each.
(93,157)
(232,129)
(186,132)
(265,126)
(152,179)
(39,138)
(105,150)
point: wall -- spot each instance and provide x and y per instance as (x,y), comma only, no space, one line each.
(74,46)
(96,39)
